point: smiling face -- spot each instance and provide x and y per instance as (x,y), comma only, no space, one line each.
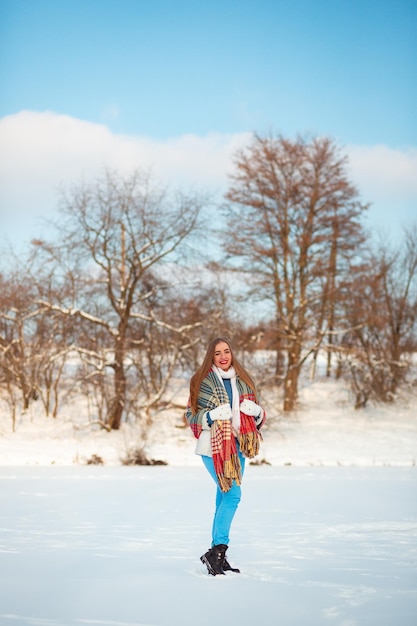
(222,357)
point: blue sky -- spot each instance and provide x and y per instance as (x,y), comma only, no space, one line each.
(162,82)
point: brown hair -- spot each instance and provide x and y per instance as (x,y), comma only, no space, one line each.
(204,369)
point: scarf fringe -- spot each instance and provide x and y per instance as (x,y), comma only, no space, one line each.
(249,437)
(231,472)
(249,444)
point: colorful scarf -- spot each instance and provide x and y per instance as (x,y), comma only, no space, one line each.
(223,443)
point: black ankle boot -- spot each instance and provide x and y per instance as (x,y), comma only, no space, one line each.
(228,568)
(214,559)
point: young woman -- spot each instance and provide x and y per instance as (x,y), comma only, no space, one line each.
(225,417)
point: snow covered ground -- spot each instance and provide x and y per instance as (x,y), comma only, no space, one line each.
(326,431)
(120,546)
(326,533)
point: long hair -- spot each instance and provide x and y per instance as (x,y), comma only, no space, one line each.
(206,366)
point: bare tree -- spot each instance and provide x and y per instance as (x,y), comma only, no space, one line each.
(17,354)
(32,344)
(116,238)
(293,214)
(382,310)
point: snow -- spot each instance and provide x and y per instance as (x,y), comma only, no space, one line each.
(325,534)
(325,431)
(120,546)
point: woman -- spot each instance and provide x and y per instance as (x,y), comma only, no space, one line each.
(225,417)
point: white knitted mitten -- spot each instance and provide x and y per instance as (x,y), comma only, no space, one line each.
(222,412)
(248,407)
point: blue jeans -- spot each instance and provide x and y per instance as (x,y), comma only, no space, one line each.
(226,504)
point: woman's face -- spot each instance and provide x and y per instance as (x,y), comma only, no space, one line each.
(222,356)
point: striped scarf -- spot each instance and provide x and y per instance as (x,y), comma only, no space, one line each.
(223,443)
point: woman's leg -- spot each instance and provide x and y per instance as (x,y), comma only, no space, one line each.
(226,504)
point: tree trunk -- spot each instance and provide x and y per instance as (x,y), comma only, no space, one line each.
(118,403)
(329,353)
(279,366)
(396,371)
(291,377)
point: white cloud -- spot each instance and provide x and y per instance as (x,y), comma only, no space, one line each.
(380,171)
(40,151)
(387,178)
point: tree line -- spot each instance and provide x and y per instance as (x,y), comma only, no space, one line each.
(137,279)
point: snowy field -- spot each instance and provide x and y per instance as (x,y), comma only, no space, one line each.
(325,431)
(120,546)
(325,535)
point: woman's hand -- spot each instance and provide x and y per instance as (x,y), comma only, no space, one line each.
(222,412)
(248,407)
